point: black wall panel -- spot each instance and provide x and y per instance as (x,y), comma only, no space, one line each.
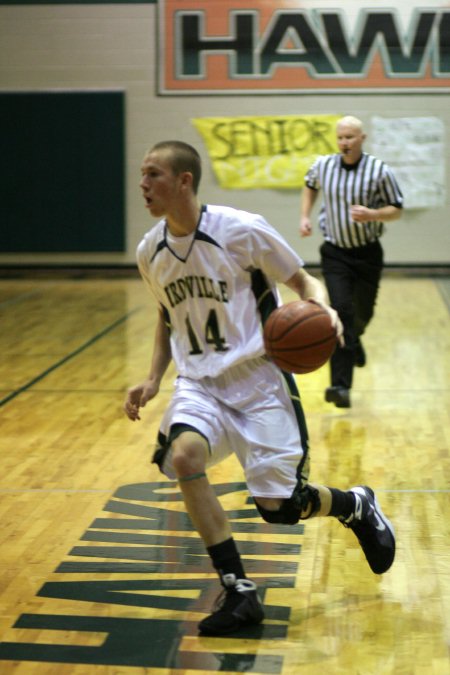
(62,172)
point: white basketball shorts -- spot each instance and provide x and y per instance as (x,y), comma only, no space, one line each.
(248,411)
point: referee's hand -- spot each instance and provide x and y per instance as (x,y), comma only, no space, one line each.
(362,214)
(305,227)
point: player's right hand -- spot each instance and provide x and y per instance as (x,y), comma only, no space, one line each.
(138,396)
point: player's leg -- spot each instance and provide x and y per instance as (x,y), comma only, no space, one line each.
(188,443)
(240,602)
(190,452)
(280,484)
(357,509)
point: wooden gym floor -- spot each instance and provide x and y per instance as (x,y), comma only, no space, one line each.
(100,571)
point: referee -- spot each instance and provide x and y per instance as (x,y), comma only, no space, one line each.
(360,193)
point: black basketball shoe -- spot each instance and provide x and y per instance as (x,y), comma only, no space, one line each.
(238,605)
(374,531)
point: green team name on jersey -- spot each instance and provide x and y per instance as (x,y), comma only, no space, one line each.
(196,287)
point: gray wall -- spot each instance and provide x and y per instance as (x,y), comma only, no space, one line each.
(95,47)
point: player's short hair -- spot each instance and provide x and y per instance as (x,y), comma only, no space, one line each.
(182,157)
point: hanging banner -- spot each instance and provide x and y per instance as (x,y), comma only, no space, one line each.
(266,151)
(302,47)
(414,147)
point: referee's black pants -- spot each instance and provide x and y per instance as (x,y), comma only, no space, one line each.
(352,277)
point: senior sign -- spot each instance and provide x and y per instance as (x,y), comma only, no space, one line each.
(302,46)
(266,151)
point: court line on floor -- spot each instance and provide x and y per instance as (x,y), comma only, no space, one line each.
(69,356)
(5,491)
(444,289)
(425,491)
(23,296)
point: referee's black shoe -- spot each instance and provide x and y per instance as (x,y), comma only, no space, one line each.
(340,396)
(374,531)
(238,605)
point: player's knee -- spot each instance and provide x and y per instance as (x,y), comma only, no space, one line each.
(307,500)
(189,454)
(280,516)
(303,504)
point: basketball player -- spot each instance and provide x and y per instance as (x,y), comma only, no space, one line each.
(360,194)
(213,272)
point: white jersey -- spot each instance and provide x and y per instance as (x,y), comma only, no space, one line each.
(214,285)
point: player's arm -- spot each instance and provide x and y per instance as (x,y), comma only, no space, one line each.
(138,395)
(309,288)
(309,197)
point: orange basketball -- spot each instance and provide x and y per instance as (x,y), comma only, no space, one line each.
(299,337)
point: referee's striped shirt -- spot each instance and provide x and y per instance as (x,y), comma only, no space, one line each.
(370,182)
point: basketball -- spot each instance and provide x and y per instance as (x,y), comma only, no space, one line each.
(299,337)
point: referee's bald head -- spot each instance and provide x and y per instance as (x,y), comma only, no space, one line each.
(350,121)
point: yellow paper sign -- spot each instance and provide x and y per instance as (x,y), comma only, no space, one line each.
(266,151)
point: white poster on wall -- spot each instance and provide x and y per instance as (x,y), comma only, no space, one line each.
(414,147)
